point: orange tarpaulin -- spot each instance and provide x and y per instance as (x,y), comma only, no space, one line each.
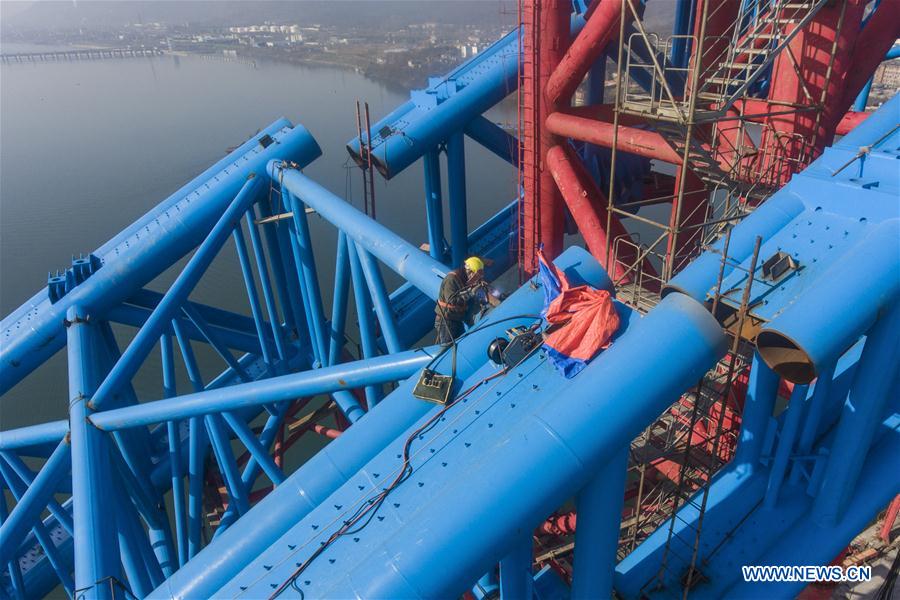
(582,320)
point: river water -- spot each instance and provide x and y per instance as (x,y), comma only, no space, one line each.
(87,147)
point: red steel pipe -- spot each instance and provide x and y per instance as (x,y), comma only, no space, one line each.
(588,206)
(602,25)
(889,518)
(636,141)
(328,432)
(546,37)
(560,524)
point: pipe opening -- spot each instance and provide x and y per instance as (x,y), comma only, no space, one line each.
(360,161)
(785,357)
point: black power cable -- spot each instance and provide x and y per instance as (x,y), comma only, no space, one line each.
(370,507)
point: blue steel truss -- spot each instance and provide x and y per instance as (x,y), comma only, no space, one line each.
(132,469)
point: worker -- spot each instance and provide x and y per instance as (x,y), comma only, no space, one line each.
(464,294)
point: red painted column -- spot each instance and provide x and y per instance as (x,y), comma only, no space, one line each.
(587,47)
(546,35)
(588,206)
(876,39)
(554,39)
(804,134)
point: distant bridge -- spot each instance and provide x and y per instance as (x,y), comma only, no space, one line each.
(81,54)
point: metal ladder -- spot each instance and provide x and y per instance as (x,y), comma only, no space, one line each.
(751,51)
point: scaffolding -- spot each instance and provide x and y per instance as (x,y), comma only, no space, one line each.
(701,100)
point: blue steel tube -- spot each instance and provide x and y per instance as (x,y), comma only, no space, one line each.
(786,441)
(381,301)
(364,318)
(310,277)
(252,295)
(382,369)
(35,499)
(221,446)
(140,253)
(577,431)
(870,395)
(331,466)
(278,268)
(34,435)
(516,575)
(298,280)
(17,488)
(173,434)
(597,533)
(254,446)
(447,106)
(286,243)
(393,251)
(456,188)
(699,277)
(96,554)
(27,477)
(813,418)
(146,337)
(798,345)
(12,566)
(130,535)
(494,138)
(434,206)
(683,25)
(339,302)
(153,513)
(197,448)
(266,284)
(759,403)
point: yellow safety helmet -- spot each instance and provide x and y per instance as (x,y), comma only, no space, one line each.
(474,264)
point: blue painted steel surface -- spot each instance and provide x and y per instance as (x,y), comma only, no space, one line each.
(494,241)
(96,554)
(147,336)
(456,190)
(490,442)
(759,402)
(446,106)
(494,138)
(34,332)
(330,468)
(434,206)
(599,506)
(823,484)
(396,253)
(864,278)
(382,369)
(516,575)
(33,502)
(871,395)
(818,482)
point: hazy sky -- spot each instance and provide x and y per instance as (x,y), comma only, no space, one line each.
(67,14)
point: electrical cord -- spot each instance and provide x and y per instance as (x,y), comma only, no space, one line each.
(370,507)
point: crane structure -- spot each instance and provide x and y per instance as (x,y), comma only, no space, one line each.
(722,181)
